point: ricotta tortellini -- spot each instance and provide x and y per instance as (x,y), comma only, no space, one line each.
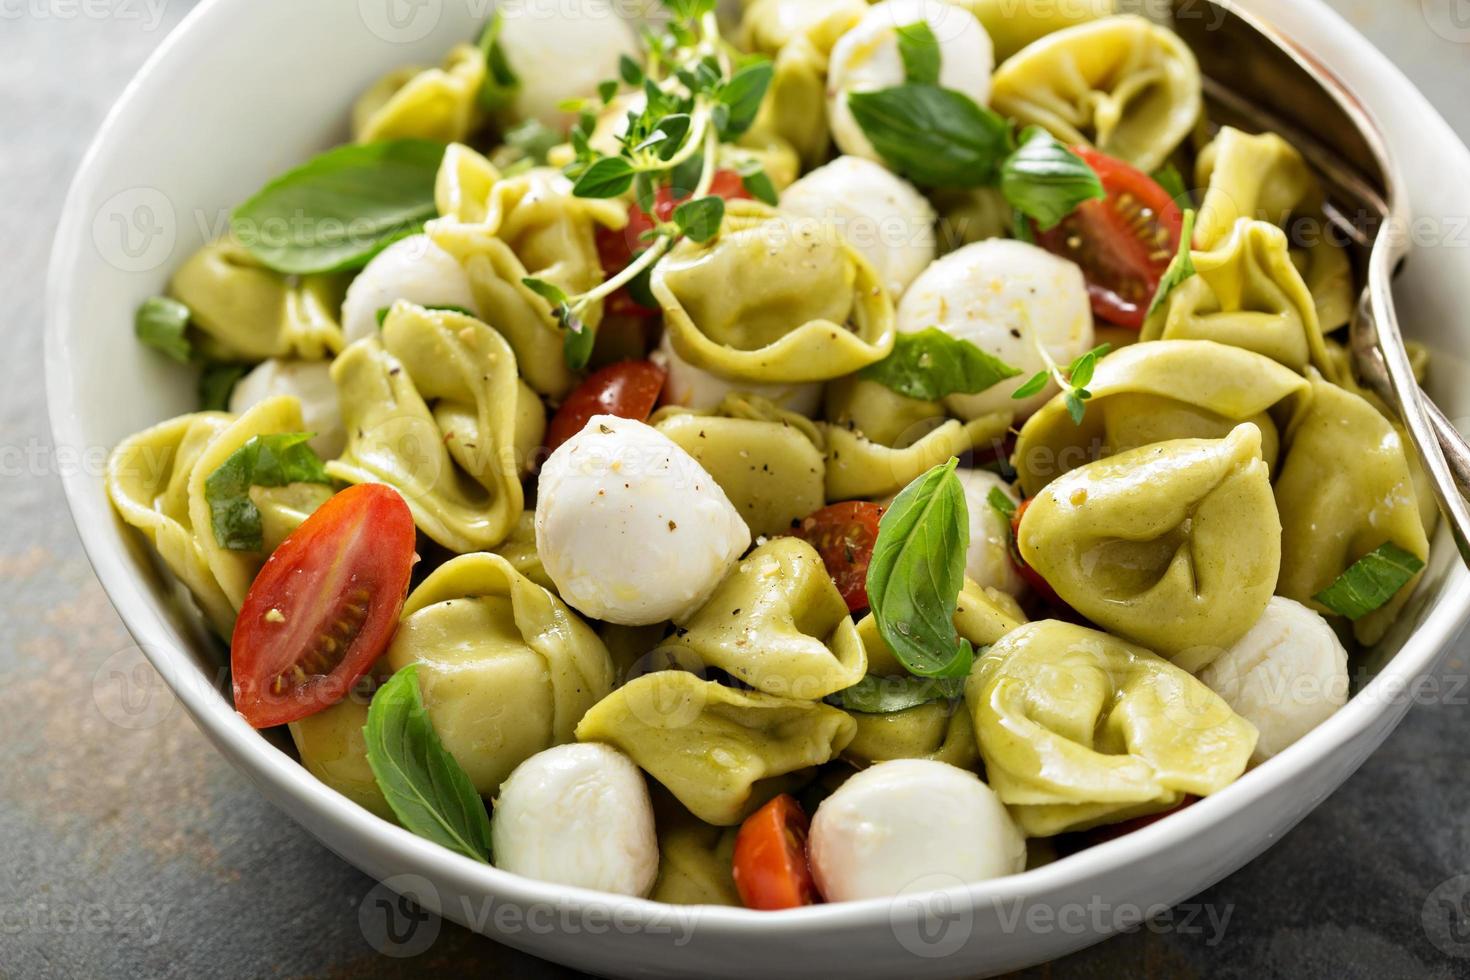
(424,103)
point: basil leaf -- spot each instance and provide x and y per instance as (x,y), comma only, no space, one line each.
(916,572)
(264,461)
(161,323)
(341,208)
(931,364)
(216,383)
(919,50)
(1172,181)
(1181,267)
(1046,181)
(934,136)
(1000,503)
(427,789)
(742,96)
(501,82)
(1370,581)
(758,185)
(700,219)
(607,177)
(875,695)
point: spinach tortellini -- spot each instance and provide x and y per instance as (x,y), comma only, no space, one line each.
(695,859)
(1346,488)
(1176,545)
(1122,84)
(1078,728)
(1157,392)
(506,669)
(721,751)
(938,730)
(1012,25)
(332,748)
(456,463)
(440,104)
(772,298)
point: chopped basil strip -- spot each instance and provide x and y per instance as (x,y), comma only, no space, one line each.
(1001,503)
(161,323)
(919,49)
(265,461)
(931,364)
(875,695)
(1371,581)
(1046,181)
(1180,268)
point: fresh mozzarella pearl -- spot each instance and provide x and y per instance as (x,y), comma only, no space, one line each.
(867,58)
(1286,676)
(897,823)
(696,388)
(630,527)
(310,382)
(995,294)
(988,561)
(561,50)
(414,269)
(577,815)
(881,215)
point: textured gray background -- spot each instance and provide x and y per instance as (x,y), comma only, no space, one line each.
(140,852)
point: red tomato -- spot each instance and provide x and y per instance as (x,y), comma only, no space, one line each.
(627,389)
(1033,578)
(843,535)
(324,607)
(1123,243)
(771,869)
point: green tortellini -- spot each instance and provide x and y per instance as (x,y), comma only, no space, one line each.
(972,214)
(722,752)
(1346,487)
(440,104)
(1175,546)
(504,229)
(1078,728)
(520,550)
(1248,294)
(1156,392)
(938,730)
(768,461)
(778,623)
(506,669)
(1013,24)
(455,462)
(1122,84)
(695,860)
(247,312)
(333,749)
(982,616)
(773,299)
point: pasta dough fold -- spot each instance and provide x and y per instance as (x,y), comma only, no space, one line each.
(440,104)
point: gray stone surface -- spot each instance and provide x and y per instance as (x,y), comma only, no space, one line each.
(142,853)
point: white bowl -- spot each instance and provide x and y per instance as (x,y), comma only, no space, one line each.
(246,88)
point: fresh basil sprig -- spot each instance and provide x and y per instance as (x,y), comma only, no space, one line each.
(930,365)
(1371,581)
(1046,181)
(1073,380)
(919,49)
(1181,267)
(426,788)
(875,695)
(338,210)
(917,571)
(265,461)
(161,323)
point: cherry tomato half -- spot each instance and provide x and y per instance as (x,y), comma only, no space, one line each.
(627,389)
(1033,578)
(771,868)
(1123,243)
(323,607)
(844,535)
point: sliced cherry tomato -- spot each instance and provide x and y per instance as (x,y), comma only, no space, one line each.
(1123,243)
(323,607)
(771,868)
(844,535)
(1033,578)
(627,389)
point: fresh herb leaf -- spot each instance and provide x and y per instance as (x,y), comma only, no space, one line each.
(1371,581)
(265,461)
(161,323)
(216,384)
(874,695)
(1082,369)
(548,291)
(501,82)
(919,49)
(1021,227)
(607,177)
(1180,268)
(700,219)
(931,364)
(533,139)
(427,789)
(340,209)
(757,184)
(630,71)
(1033,385)
(1045,180)
(916,572)
(606,90)
(742,96)
(935,137)
(1001,503)
(1172,181)
(578,343)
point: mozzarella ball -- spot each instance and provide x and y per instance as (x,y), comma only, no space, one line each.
(692,387)
(997,294)
(561,50)
(898,822)
(414,269)
(988,561)
(880,215)
(577,815)
(867,58)
(310,383)
(630,527)
(1286,676)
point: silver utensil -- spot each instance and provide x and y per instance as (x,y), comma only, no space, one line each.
(1259,80)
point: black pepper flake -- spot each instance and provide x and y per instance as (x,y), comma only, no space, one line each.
(602,427)
(673,526)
